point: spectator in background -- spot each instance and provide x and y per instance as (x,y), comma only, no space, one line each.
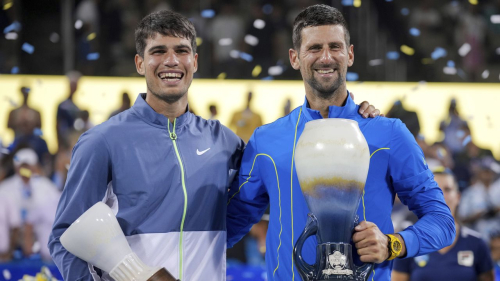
(24,119)
(245,121)
(426,18)
(26,123)
(67,111)
(34,141)
(124,106)
(287,108)
(471,153)
(35,199)
(262,28)
(440,153)
(213,112)
(10,222)
(226,34)
(495,252)
(62,161)
(472,30)
(480,205)
(467,258)
(453,128)
(410,118)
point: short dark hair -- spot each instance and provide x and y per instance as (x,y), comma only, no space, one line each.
(317,15)
(166,23)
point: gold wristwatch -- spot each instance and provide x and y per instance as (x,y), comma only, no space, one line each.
(394,247)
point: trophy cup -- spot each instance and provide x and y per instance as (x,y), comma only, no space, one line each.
(331,159)
(96,237)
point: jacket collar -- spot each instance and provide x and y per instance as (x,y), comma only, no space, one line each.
(333,111)
(147,113)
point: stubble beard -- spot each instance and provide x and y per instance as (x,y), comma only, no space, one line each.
(326,92)
(169,98)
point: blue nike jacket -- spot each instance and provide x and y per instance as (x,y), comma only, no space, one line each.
(397,166)
(167,189)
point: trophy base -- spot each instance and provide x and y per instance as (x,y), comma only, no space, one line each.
(162,275)
(336,262)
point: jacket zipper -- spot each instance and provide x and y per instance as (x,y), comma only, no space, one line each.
(173,137)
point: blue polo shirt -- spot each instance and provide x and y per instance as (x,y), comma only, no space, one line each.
(469,258)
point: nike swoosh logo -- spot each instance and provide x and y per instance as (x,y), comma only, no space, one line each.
(202,152)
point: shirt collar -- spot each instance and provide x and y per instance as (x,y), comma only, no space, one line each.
(147,113)
(333,111)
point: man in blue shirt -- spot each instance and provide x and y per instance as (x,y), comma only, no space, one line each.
(322,53)
(468,258)
(164,171)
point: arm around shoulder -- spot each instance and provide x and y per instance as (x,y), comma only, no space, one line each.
(248,197)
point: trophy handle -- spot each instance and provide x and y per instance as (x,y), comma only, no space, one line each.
(306,270)
(364,271)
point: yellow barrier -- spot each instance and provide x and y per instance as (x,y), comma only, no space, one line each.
(477,102)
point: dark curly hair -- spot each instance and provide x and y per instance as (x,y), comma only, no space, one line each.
(166,23)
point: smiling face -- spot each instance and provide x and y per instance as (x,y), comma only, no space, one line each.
(168,65)
(323,59)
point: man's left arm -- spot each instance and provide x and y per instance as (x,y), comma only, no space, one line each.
(415,186)
(414,183)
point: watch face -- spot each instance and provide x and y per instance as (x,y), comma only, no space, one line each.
(396,246)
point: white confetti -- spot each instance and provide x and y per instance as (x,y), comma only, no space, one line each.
(275,70)
(11,36)
(485,74)
(6,274)
(251,40)
(259,24)
(225,41)
(36,247)
(78,24)
(464,50)
(376,62)
(234,54)
(54,37)
(449,70)
(495,19)
(79,124)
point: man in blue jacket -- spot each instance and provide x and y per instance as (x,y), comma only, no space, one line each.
(164,171)
(322,53)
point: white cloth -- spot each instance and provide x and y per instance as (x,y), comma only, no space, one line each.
(477,198)
(39,208)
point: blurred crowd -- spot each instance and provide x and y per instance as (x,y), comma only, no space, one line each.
(431,40)
(475,170)
(31,178)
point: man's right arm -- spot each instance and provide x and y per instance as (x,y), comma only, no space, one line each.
(86,184)
(248,198)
